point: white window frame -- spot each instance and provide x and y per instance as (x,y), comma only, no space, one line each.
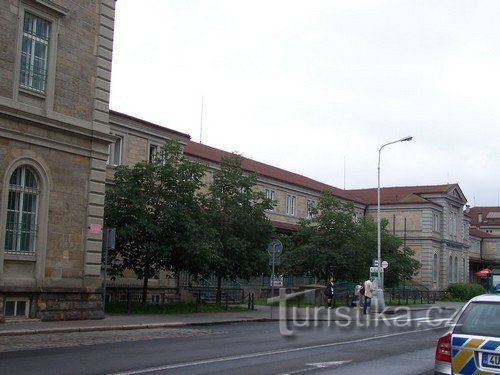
(310,204)
(16,300)
(156,150)
(35,44)
(52,15)
(115,158)
(271,194)
(291,204)
(21,194)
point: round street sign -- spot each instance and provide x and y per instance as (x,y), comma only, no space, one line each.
(385,264)
(275,248)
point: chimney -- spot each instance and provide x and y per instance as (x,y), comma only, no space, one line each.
(467,208)
(480,217)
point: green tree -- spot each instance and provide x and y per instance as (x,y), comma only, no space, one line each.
(324,244)
(402,265)
(158,214)
(238,217)
(333,243)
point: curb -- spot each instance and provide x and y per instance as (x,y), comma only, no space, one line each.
(126,327)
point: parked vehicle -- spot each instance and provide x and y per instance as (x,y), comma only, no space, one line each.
(472,345)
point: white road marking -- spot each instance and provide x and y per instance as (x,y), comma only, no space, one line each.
(328,364)
(271,352)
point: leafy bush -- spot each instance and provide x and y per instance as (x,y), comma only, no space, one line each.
(462,292)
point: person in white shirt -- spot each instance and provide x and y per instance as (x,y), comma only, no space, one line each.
(368,294)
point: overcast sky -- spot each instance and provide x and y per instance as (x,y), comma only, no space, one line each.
(316,87)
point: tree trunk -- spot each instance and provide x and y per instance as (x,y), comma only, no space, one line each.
(218,298)
(145,290)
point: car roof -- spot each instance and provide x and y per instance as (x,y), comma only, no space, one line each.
(486,298)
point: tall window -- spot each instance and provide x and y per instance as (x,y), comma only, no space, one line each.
(435,269)
(22,210)
(271,194)
(435,222)
(153,151)
(291,204)
(453,224)
(450,269)
(34,53)
(455,270)
(116,151)
(309,208)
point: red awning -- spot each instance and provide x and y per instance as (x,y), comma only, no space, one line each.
(483,272)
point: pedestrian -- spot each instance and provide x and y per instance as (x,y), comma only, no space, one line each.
(368,294)
(329,291)
(358,296)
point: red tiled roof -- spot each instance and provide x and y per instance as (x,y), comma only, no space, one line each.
(399,194)
(487,213)
(481,234)
(147,123)
(212,154)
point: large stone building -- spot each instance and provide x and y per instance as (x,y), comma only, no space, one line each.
(485,238)
(55,69)
(59,144)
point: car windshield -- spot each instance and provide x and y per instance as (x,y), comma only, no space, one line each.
(480,318)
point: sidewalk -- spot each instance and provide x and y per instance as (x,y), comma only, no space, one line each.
(133,321)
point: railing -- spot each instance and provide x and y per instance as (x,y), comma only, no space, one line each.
(406,296)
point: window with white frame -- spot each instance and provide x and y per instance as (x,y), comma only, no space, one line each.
(22,212)
(271,194)
(16,308)
(116,151)
(153,151)
(34,53)
(310,205)
(291,204)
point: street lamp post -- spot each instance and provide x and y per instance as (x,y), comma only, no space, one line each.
(379,258)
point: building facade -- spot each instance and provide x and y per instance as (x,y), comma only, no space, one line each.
(59,143)
(485,238)
(55,69)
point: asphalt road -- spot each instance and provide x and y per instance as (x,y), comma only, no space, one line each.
(397,345)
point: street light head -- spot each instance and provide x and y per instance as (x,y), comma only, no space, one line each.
(406,139)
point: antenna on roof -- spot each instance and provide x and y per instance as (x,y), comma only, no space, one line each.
(201,119)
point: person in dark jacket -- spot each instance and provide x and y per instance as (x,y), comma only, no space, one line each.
(329,290)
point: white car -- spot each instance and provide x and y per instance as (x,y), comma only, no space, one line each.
(472,345)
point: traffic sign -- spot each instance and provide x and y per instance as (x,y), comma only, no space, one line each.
(275,248)
(385,264)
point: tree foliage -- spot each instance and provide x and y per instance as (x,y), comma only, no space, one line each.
(158,215)
(323,244)
(237,213)
(333,243)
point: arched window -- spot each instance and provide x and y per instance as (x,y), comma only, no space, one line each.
(450,269)
(455,270)
(435,269)
(22,212)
